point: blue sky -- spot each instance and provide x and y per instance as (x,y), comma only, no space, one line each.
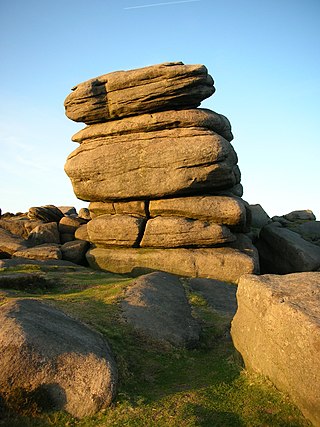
(263,55)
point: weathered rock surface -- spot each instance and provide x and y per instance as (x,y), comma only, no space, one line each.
(155,122)
(303,215)
(219,209)
(15,226)
(48,354)
(44,233)
(175,232)
(47,213)
(283,251)
(157,306)
(115,230)
(82,233)
(134,208)
(69,225)
(10,243)
(277,331)
(41,252)
(168,86)
(75,251)
(225,264)
(84,213)
(180,161)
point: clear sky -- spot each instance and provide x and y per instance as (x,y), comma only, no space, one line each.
(263,55)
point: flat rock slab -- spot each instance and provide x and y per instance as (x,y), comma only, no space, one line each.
(41,252)
(167,86)
(225,264)
(134,208)
(223,210)
(277,331)
(221,296)
(199,117)
(151,165)
(156,305)
(48,354)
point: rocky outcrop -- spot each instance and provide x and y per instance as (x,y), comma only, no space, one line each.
(44,239)
(126,93)
(276,330)
(54,359)
(161,174)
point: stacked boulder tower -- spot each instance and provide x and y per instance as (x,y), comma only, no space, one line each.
(160,174)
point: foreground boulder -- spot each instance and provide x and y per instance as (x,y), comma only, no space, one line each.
(156,305)
(54,359)
(277,331)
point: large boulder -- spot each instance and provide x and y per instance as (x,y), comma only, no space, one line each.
(276,330)
(283,251)
(151,165)
(156,305)
(168,86)
(224,210)
(226,264)
(175,232)
(54,359)
(155,122)
(259,217)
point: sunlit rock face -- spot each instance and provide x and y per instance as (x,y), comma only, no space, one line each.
(161,174)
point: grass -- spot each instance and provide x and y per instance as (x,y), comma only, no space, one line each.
(158,385)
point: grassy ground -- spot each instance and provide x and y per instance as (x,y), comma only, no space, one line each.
(159,385)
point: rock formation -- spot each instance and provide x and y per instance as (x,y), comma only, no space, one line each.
(160,173)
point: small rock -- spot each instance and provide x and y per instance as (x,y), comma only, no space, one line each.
(75,251)
(84,213)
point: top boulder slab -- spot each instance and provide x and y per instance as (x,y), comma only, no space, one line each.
(166,86)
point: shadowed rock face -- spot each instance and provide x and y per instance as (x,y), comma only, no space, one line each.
(276,329)
(45,351)
(126,93)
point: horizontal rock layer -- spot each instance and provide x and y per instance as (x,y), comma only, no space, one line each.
(276,330)
(167,163)
(155,122)
(226,264)
(167,86)
(173,232)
